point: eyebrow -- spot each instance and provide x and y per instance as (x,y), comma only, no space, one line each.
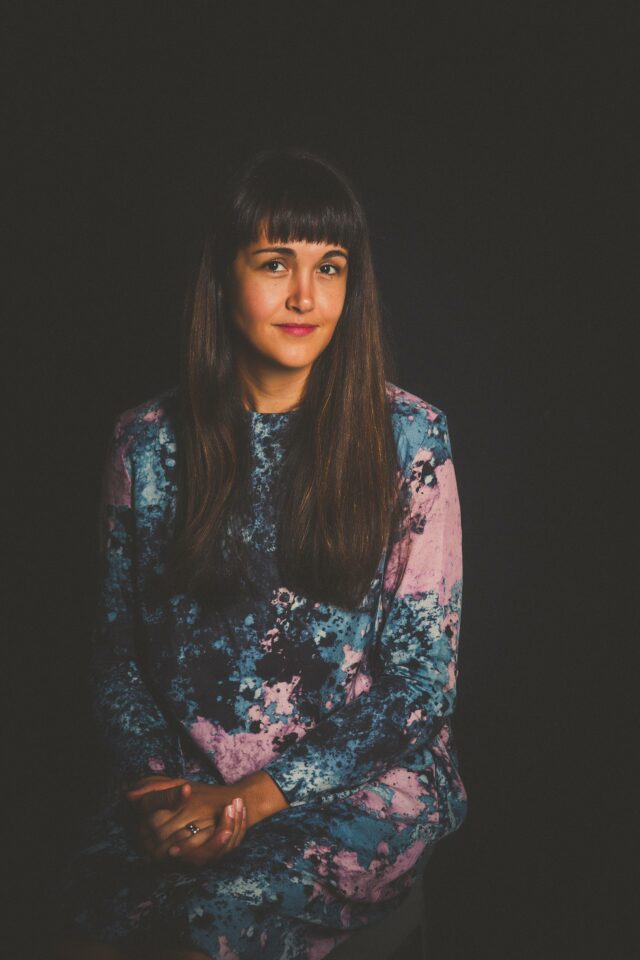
(287,251)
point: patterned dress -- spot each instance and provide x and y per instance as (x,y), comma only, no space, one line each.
(348,711)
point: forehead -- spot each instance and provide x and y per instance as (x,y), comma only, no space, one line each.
(264,239)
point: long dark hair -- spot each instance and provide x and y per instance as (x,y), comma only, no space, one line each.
(339,493)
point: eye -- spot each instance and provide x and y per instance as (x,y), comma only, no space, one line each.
(333,267)
(270,263)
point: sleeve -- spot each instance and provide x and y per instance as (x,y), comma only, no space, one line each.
(415,649)
(129,719)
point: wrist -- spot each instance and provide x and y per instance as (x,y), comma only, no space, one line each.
(261,795)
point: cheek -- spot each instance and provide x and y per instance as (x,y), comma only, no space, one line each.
(336,294)
(256,303)
(334,304)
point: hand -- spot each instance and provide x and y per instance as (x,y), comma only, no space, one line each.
(146,785)
(260,793)
(214,843)
(167,806)
(159,792)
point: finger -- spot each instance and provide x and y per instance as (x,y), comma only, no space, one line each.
(158,800)
(187,843)
(156,779)
(181,837)
(228,824)
(171,799)
(198,813)
(183,842)
(148,840)
(236,823)
(177,843)
(148,828)
(238,806)
(165,827)
(240,831)
(243,827)
(157,819)
(149,785)
(213,849)
(152,786)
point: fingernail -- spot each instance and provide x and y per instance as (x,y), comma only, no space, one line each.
(174,851)
(231,811)
(226,836)
(238,804)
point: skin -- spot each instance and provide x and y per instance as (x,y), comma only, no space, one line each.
(304,283)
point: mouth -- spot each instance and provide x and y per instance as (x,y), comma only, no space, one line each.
(297,329)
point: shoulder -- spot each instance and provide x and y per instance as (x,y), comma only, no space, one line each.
(147,424)
(419,426)
(143,446)
(149,427)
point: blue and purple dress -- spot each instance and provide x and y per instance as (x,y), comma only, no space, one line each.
(348,711)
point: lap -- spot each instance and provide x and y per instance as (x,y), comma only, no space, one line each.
(305,869)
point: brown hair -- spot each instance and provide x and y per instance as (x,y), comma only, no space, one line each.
(338,493)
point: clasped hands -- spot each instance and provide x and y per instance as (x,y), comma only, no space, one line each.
(166,805)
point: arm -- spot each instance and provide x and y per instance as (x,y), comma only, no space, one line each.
(129,718)
(414,685)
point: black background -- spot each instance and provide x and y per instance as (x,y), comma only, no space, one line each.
(490,144)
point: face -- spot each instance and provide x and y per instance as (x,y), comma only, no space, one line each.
(287,300)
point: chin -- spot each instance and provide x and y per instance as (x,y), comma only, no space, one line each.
(295,363)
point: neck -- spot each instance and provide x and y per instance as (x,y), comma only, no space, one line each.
(269,391)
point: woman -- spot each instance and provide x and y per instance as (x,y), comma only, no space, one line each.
(274,661)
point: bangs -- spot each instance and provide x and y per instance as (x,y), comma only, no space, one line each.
(297,199)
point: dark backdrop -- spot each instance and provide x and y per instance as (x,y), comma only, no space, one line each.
(489,145)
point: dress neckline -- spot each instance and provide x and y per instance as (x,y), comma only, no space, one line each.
(255,415)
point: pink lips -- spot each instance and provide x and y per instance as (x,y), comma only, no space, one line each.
(298,330)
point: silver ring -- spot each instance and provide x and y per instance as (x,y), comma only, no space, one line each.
(193,828)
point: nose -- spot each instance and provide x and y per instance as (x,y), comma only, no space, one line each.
(300,297)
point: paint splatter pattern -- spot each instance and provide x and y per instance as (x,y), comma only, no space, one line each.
(349,711)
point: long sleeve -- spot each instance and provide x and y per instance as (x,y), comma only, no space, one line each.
(127,715)
(414,687)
